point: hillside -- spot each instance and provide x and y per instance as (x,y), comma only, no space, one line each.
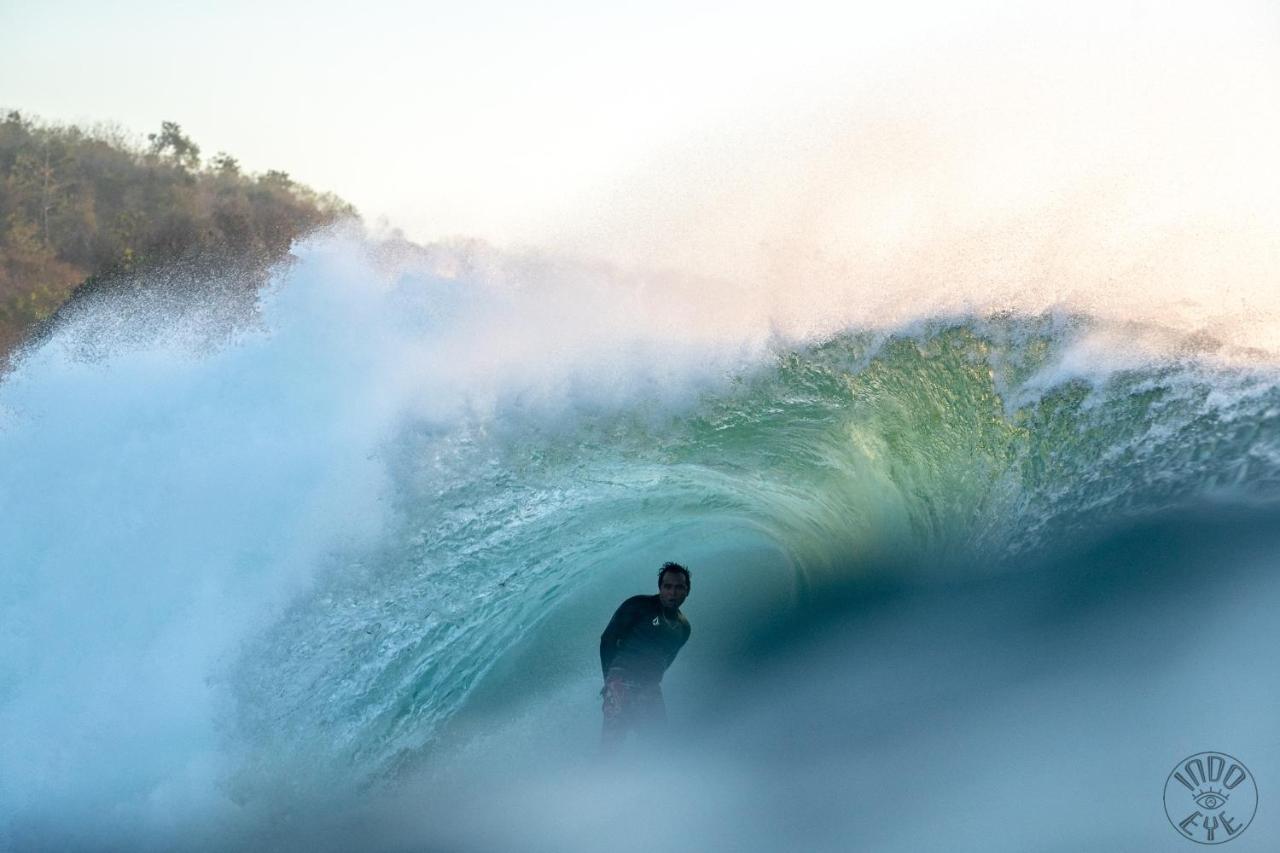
(81,208)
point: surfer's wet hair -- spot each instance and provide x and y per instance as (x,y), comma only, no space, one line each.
(679,569)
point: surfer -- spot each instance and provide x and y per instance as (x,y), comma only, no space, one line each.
(642,639)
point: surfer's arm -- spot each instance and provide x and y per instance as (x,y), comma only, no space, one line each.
(617,629)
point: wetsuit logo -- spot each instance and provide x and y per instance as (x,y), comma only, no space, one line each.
(1210,798)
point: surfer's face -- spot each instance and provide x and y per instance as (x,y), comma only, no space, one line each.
(673,590)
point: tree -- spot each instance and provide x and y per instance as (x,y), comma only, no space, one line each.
(277,179)
(224,164)
(173,145)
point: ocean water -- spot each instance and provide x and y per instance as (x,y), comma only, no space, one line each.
(332,576)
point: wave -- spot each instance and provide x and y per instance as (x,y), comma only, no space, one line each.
(297,559)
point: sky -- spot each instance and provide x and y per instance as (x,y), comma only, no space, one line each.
(528,124)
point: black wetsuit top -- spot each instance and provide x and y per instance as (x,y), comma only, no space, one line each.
(641,641)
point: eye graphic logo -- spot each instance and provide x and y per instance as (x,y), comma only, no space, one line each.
(1210,798)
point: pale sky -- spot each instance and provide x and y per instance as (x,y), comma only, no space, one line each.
(481,119)
(513,122)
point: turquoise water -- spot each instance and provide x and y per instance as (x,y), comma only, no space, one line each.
(355,553)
